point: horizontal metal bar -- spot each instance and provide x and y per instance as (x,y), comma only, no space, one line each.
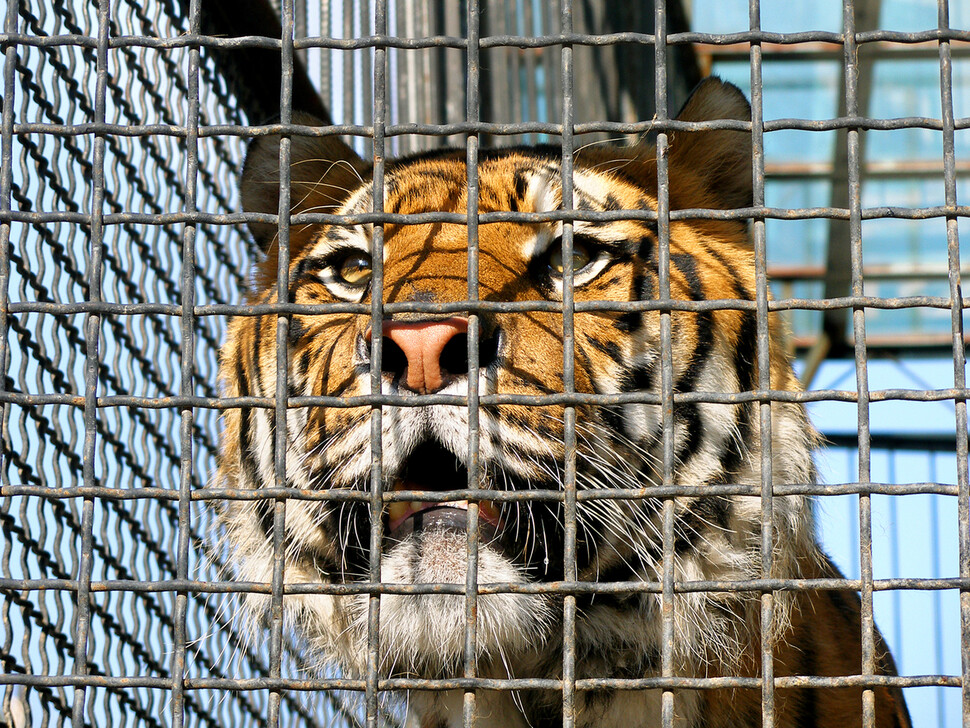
(481,683)
(876,50)
(195,40)
(483,127)
(743,214)
(497,496)
(570,399)
(323,309)
(339,495)
(558,587)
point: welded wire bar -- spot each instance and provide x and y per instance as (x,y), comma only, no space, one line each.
(570,513)
(365,82)
(362,40)
(581,587)
(6,181)
(762,334)
(365,218)
(959,348)
(485,127)
(507,685)
(187,385)
(783,395)
(326,56)
(496,684)
(283,322)
(92,327)
(376,506)
(854,182)
(348,61)
(941,445)
(317,309)
(935,584)
(472,113)
(667,604)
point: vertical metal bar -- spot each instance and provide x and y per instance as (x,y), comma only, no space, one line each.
(569,379)
(959,352)
(326,56)
(552,93)
(6,183)
(936,572)
(348,59)
(527,109)
(764,368)
(300,27)
(368,62)
(187,386)
(472,114)
(851,60)
(429,64)
(92,332)
(377,314)
(666,363)
(282,364)
(409,78)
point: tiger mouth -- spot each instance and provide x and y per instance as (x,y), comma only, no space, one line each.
(433,468)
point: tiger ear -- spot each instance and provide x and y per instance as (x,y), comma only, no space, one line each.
(323,171)
(721,157)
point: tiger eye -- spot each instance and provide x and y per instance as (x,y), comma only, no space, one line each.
(354,270)
(581,258)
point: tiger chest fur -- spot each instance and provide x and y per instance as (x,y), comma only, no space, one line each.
(522,446)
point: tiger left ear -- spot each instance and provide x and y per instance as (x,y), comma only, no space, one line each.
(323,172)
(721,157)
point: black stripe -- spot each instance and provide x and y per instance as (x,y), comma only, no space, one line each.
(520,184)
(610,348)
(809,666)
(689,413)
(645,248)
(697,518)
(307,270)
(745,356)
(264,507)
(257,372)
(296,330)
(642,378)
(303,364)
(629,322)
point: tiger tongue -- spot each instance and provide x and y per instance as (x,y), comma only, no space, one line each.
(449,514)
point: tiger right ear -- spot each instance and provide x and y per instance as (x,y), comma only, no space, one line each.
(323,171)
(722,158)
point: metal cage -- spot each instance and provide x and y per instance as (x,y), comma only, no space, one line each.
(123,251)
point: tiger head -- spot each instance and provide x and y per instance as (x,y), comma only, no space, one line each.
(429,437)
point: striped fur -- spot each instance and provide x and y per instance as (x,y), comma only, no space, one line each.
(620,446)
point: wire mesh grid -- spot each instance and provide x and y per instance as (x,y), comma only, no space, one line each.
(122,245)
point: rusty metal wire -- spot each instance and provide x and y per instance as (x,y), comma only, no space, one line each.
(121,253)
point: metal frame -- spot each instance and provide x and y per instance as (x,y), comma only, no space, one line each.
(98,311)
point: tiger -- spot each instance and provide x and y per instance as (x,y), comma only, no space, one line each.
(618,431)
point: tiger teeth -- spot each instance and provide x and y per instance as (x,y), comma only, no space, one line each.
(398,511)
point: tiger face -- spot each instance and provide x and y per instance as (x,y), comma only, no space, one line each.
(519,432)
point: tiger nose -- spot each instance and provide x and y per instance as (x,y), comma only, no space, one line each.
(425,354)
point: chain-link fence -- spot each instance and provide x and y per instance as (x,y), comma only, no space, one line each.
(123,250)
